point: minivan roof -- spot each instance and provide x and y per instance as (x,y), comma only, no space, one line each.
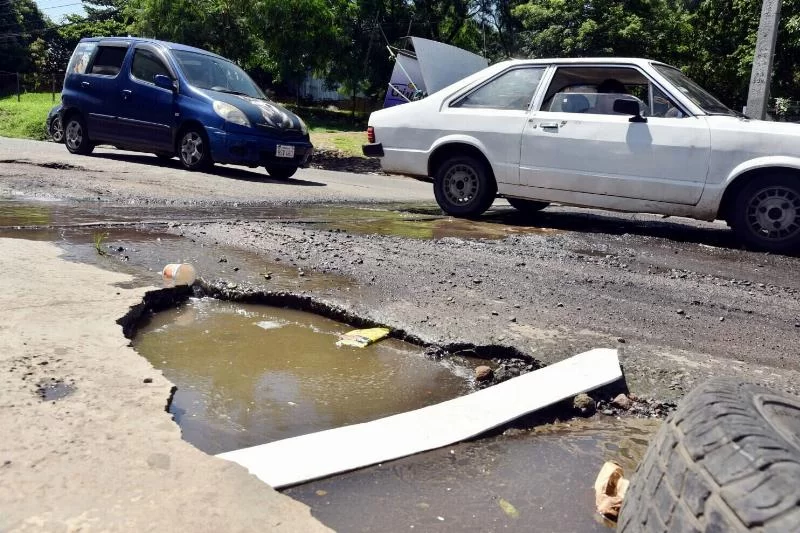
(163,44)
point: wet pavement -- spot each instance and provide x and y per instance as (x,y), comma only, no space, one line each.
(250,374)
(538,480)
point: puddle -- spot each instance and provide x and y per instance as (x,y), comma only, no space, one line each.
(417,223)
(53,389)
(533,481)
(249,374)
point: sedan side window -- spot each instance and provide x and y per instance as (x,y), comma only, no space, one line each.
(147,65)
(108,60)
(512,90)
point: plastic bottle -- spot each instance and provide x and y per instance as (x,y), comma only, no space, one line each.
(179,274)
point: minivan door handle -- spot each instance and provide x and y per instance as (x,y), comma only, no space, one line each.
(549,125)
(85,84)
(126,94)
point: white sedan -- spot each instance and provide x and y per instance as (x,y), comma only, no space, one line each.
(623,134)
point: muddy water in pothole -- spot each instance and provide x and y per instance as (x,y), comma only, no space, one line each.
(248,374)
(540,480)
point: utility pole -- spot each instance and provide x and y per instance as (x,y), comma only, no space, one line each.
(761,75)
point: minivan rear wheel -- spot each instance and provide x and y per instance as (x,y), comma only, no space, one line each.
(194,149)
(464,187)
(76,136)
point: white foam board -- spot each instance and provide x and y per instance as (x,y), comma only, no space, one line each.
(315,455)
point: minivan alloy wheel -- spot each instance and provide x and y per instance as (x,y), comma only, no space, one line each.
(774,212)
(192,148)
(461,184)
(74,134)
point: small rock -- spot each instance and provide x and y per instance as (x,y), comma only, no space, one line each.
(559,304)
(236,269)
(722,319)
(223,259)
(681,312)
(797,324)
(584,404)
(622,401)
(495,313)
(512,319)
(608,412)
(267,277)
(477,281)
(620,340)
(483,373)
(148,380)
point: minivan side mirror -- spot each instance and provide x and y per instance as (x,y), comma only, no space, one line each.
(629,107)
(164,82)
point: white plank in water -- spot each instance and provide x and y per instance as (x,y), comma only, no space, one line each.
(315,455)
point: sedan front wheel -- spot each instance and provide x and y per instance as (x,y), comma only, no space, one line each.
(767,214)
(463,186)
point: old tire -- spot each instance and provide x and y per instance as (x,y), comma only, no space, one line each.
(76,136)
(766,214)
(464,186)
(194,149)
(281,173)
(727,460)
(527,206)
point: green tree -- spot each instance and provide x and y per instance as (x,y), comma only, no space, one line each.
(21,23)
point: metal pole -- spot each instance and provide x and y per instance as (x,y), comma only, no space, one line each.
(761,75)
(17,86)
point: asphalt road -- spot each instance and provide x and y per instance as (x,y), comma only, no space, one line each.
(677,297)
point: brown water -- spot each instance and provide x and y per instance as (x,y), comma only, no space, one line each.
(540,480)
(248,374)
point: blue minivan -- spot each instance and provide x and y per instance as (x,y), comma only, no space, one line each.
(169,99)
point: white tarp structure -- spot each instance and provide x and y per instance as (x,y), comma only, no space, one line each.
(299,459)
(430,67)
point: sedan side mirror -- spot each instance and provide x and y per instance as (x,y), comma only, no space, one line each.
(629,107)
(164,82)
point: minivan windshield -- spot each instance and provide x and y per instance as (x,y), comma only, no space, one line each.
(209,72)
(699,96)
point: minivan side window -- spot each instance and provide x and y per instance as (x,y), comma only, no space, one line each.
(512,90)
(108,60)
(80,58)
(147,65)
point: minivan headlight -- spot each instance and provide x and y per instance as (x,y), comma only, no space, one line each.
(231,113)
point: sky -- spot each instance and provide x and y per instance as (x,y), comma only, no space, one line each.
(57,9)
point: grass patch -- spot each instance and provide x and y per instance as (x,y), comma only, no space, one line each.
(348,142)
(25,119)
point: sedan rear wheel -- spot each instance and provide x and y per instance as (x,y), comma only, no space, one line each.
(464,187)
(767,214)
(195,152)
(527,206)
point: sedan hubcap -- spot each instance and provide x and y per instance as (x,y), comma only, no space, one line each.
(461,184)
(74,134)
(774,213)
(192,148)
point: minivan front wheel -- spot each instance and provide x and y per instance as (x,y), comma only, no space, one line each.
(767,214)
(463,186)
(194,149)
(76,136)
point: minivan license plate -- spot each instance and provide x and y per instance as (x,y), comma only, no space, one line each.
(284,151)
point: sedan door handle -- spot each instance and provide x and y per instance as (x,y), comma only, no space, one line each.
(126,94)
(549,125)
(85,84)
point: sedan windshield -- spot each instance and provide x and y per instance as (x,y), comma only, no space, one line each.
(699,96)
(209,72)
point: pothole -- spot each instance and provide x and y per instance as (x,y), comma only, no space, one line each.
(250,374)
(53,389)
